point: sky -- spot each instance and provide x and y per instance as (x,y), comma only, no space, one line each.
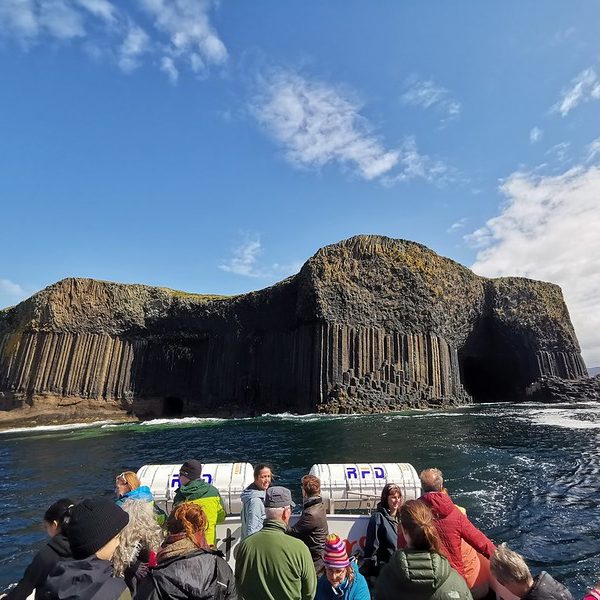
(214,147)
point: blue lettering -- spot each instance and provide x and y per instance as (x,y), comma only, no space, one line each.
(365,472)
(175,480)
(379,473)
(351,473)
(208,477)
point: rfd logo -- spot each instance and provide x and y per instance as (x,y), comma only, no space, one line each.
(175,481)
(365,472)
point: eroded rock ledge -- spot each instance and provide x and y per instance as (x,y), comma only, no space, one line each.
(370,324)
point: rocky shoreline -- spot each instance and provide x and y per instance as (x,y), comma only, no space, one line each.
(555,389)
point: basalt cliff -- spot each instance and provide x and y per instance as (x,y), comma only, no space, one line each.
(370,324)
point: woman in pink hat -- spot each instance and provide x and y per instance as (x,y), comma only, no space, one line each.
(341,578)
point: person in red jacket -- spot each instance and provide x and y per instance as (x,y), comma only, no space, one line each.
(451,524)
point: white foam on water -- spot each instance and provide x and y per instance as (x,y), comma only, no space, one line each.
(65,427)
(181,421)
(562,419)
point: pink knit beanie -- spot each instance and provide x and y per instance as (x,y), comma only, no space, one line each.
(335,555)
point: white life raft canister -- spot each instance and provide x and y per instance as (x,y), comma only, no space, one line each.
(229,478)
(352,486)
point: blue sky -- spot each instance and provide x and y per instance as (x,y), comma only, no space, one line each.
(215,146)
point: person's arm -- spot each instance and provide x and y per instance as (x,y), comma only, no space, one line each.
(220,510)
(34,576)
(304,524)
(372,541)
(254,515)
(476,538)
(309,576)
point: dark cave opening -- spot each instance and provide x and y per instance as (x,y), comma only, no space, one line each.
(172,407)
(491,366)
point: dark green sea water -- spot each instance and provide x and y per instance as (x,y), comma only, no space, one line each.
(527,474)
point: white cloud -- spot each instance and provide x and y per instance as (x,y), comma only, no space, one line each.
(427,94)
(535,135)
(319,124)
(559,152)
(548,230)
(181,35)
(245,261)
(460,224)
(593,150)
(192,39)
(583,88)
(11,293)
(133,47)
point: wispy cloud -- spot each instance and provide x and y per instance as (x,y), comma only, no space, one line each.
(180,36)
(593,150)
(583,88)
(319,124)
(559,152)
(457,226)
(11,293)
(425,93)
(246,260)
(548,230)
(535,135)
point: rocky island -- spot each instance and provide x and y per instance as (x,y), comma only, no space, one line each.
(370,324)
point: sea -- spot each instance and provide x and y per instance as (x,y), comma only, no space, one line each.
(528,474)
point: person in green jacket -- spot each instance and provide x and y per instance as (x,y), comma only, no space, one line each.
(420,572)
(196,490)
(271,565)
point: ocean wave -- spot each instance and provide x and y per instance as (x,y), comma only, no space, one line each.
(64,427)
(181,421)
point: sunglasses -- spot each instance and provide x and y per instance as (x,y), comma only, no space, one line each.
(122,478)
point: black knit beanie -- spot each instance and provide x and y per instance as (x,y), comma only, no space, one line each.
(92,524)
(191,469)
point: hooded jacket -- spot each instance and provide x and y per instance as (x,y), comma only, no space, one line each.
(144,494)
(312,529)
(420,575)
(43,562)
(253,510)
(545,587)
(87,579)
(208,497)
(381,542)
(201,575)
(453,526)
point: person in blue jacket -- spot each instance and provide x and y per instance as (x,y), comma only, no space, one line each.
(129,487)
(341,579)
(253,500)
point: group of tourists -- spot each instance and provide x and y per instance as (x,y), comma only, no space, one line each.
(425,549)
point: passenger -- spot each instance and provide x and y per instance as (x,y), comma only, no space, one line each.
(253,501)
(341,578)
(187,568)
(420,571)
(55,550)
(139,543)
(594,593)
(195,489)
(311,527)
(93,533)
(382,531)
(452,525)
(511,571)
(432,480)
(271,565)
(129,487)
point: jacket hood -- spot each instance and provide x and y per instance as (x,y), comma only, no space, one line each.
(441,504)
(88,579)
(420,571)
(194,489)
(141,493)
(250,493)
(60,544)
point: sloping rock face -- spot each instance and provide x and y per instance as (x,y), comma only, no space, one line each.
(369,324)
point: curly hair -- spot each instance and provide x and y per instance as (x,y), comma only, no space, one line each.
(142,532)
(188,517)
(417,520)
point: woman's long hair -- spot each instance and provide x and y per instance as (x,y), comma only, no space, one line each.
(188,518)
(416,519)
(142,532)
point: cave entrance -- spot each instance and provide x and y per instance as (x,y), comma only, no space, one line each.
(172,407)
(491,368)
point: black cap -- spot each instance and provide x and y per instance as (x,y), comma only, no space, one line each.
(92,524)
(191,469)
(278,497)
